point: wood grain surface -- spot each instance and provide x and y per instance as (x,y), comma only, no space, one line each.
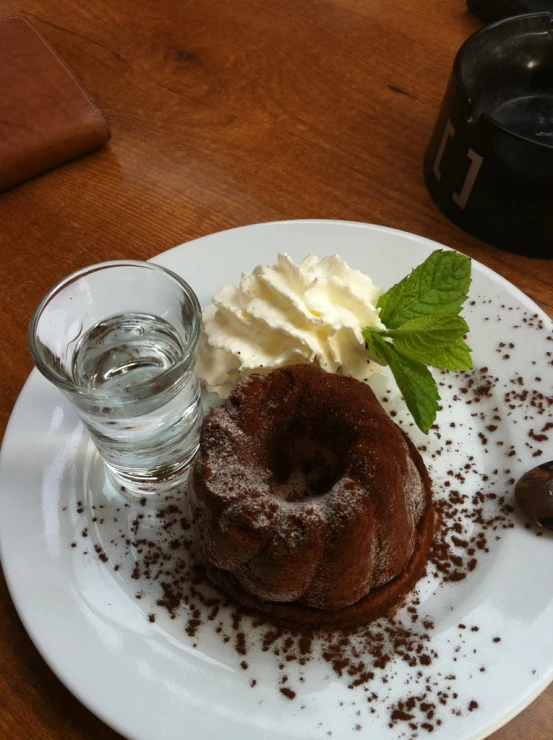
(225,113)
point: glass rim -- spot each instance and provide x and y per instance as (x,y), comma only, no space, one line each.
(59,382)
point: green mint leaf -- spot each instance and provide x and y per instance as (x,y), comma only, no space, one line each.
(430,331)
(435,340)
(372,339)
(455,356)
(414,380)
(439,285)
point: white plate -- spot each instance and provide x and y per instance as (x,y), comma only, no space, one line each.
(147,680)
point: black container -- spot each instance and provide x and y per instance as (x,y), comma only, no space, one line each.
(489,163)
(494,10)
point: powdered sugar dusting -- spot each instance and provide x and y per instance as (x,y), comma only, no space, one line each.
(325,471)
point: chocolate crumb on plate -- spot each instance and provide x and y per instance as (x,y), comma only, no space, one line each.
(408,674)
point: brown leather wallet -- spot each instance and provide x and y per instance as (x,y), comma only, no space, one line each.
(46,117)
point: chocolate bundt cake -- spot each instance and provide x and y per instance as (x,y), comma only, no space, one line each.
(308,501)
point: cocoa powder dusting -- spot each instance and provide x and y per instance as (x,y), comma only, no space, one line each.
(473,462)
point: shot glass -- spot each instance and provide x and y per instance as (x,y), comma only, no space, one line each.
(119,340)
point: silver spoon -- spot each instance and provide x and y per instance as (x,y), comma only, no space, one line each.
(534,494)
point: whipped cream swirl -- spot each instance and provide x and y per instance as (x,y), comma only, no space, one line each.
(311,312)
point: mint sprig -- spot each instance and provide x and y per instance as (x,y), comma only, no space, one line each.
(423,327)
(437,286)
(414,380)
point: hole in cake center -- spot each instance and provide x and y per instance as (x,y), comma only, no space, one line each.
(304,468)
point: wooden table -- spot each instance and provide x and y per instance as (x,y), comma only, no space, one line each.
(225,113)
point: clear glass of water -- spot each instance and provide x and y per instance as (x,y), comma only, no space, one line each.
(119,340)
